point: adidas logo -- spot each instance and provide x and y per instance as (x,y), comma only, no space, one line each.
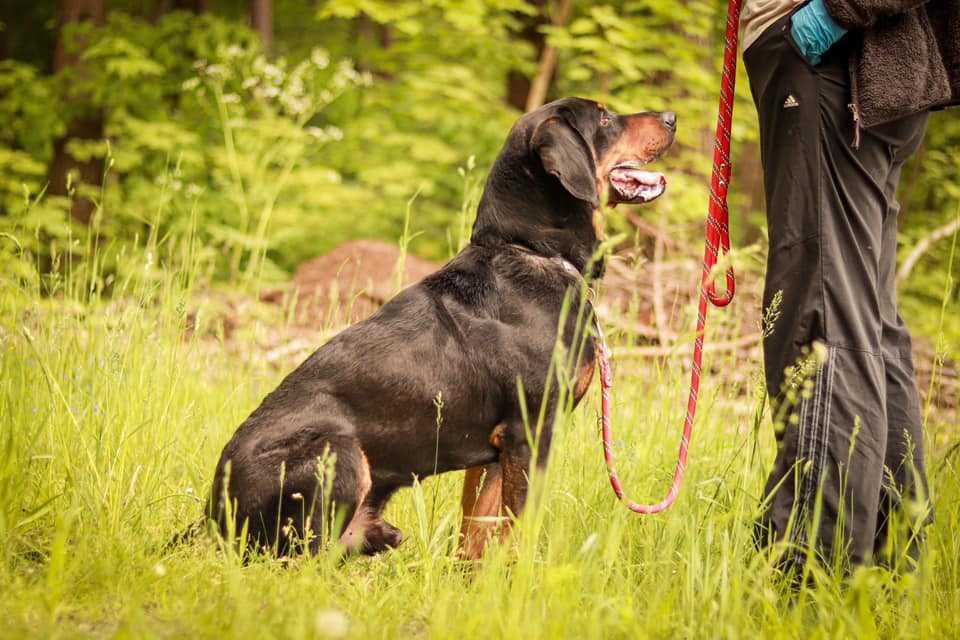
(790,102)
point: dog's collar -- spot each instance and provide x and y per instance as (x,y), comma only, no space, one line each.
(563,262)
(567,266)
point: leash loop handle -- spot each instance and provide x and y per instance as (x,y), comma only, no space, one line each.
(717,241)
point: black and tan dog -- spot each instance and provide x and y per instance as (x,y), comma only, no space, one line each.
(467,333)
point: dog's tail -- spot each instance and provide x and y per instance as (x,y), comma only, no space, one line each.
(186,535)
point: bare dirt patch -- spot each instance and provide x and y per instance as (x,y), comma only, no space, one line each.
(349,283)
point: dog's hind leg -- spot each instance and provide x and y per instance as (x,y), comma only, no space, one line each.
(367,532)
(378,534)
(481,503)
(517,458)
(359,506)
(319,500)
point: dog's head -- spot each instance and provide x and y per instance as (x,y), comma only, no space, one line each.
(559,163)
(599,155)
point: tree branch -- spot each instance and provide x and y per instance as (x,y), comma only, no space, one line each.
(923,246)
(548,60)
(663,352)
(659,313)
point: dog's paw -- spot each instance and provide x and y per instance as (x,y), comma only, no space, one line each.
(496,436)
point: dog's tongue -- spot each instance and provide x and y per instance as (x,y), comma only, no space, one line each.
(637,185)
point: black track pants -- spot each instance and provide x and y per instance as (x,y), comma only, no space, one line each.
(852,431)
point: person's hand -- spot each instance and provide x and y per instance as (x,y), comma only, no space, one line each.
(815,31)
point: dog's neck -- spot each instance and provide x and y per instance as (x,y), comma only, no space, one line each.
(530,208)
(563,263)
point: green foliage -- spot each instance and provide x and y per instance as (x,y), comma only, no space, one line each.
(28,102)
(270,161)
(30,113)
(198,125)
(438,99)
(930,196)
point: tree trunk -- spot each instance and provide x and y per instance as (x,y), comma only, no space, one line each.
(518,84)
(74,11)
(370,35)
(196,6)
(161,7)
(89,125)
(540,87)
(261,19)
(4,44)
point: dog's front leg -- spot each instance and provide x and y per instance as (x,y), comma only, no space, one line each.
(516,458)
(481,509)
(515,461)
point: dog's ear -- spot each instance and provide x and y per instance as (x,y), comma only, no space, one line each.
(565,156)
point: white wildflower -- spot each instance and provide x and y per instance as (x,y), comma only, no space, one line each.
(320,58)
(331,623)
(272,71)
(296,86)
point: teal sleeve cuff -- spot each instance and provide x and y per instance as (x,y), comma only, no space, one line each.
(815,31)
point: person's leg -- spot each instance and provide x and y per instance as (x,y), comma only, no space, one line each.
(786,94)
(825,211)
(897,540)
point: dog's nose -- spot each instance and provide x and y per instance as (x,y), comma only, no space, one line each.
(669,119)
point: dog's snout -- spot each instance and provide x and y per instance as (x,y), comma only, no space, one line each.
(669,120)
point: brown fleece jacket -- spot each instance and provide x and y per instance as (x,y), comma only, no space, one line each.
(909,60)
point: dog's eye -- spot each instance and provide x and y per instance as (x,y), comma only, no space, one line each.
(605,119)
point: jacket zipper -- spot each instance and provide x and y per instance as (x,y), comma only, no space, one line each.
(856,124)
(854,98)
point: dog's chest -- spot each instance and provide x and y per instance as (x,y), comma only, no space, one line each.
(583,376)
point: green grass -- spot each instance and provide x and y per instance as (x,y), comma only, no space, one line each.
(112,417)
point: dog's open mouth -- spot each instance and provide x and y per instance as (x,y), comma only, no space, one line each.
(634,185)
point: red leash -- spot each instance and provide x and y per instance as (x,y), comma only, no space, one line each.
(718,238)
